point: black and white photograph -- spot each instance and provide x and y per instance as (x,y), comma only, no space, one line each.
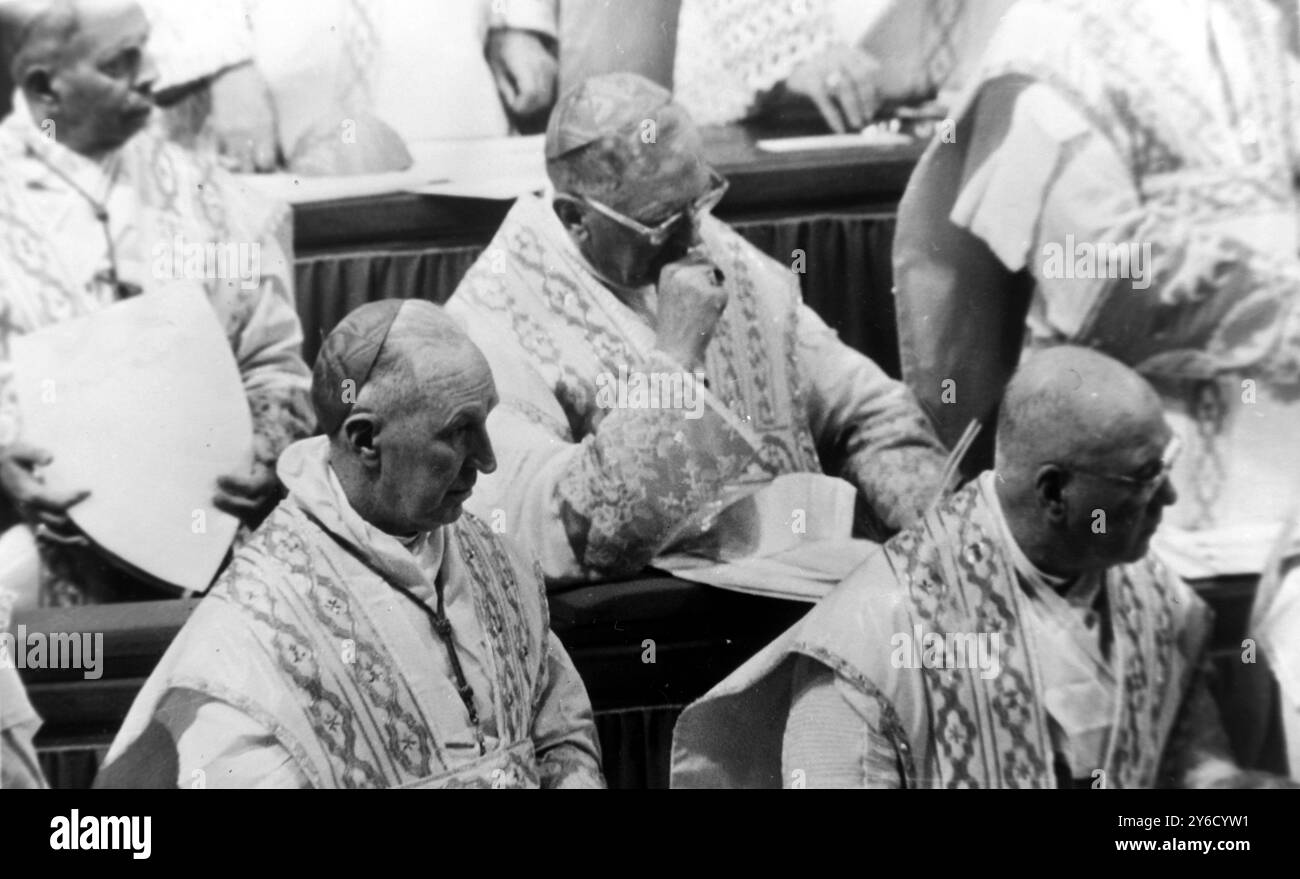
(647,395)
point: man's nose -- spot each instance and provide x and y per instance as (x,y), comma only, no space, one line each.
(1167,495)
(691,231)
(686,231)
(147,78)
(483,456)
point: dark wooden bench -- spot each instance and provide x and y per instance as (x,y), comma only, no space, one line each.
(698,634)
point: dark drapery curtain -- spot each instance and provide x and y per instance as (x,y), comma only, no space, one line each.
(331,285)
(6,87)
(846,276)
(847,273)
(635,746)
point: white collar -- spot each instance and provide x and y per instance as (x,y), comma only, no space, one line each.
(427,551)
(305,470)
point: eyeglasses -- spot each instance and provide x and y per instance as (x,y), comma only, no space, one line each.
(658,234)
(1148,483)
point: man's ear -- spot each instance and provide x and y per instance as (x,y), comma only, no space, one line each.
(572,216)
(1049,487)
(359,432)
(38,87)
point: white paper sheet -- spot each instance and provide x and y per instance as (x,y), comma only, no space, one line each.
(506,188)
(499,168)
(791,538)
(142,404)
(297,190)
(806,573)
(1223,552)
(873,136)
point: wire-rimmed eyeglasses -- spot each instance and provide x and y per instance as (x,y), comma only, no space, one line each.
(660,233)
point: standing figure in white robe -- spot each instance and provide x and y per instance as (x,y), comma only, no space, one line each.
(737,58)
(94,209)
(370,634)
(275,81)
(1123,177)
(652,360)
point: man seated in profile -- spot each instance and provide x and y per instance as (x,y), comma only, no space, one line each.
(620,278)
(1020,635)
(1106,186)
(369,634)
(94,209)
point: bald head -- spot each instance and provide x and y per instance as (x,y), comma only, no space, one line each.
(1082,455)
(618,150)
(1073,404)
(82,68)
(404,396)
(425,351)
(613,132)
(600,106)
(384,355)
(36,33)
(43,33)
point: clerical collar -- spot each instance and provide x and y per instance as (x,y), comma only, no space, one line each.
(413,542)
(416,544)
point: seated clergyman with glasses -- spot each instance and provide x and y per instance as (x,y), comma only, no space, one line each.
(650,359)
(1022,635)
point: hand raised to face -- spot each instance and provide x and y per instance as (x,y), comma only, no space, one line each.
(692,297)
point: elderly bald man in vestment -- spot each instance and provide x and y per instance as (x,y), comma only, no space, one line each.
(621,275)
(1021,635)
(91,209)
(370,634)
(1123,177)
